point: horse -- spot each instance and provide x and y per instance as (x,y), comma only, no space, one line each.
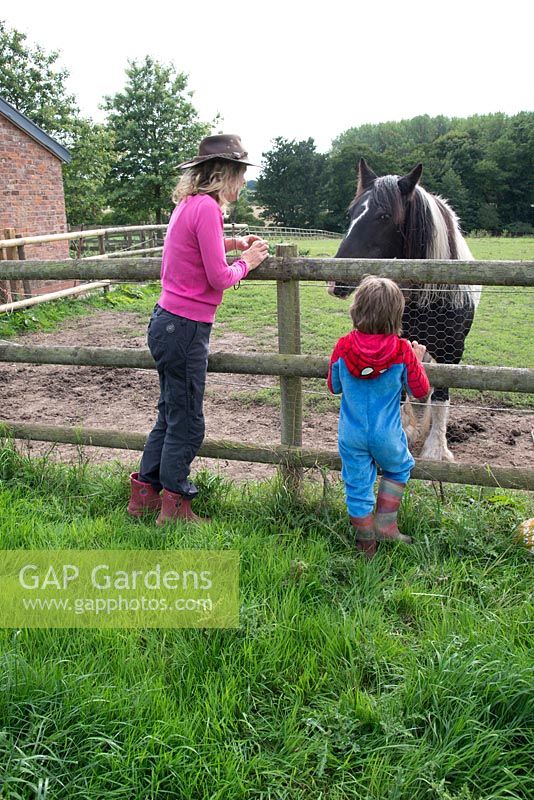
(394,217)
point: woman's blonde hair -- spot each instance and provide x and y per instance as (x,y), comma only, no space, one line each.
(378,306)
(220,178)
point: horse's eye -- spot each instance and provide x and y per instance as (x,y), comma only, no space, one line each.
(384,216)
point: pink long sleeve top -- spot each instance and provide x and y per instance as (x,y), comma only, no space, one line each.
(194,272)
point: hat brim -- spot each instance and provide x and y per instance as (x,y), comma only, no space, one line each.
(219,156)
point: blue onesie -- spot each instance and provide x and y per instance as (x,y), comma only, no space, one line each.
(371,371)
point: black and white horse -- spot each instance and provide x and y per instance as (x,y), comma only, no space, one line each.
(394,217)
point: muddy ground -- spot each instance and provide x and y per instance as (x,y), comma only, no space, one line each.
(127,399)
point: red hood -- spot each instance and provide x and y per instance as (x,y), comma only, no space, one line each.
(368,355)
(377,349)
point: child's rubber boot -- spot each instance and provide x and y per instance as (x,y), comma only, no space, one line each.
(365,535)
(387,508)
(143,498)
(175,506)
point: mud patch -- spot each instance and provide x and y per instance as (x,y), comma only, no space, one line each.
(127,400)
(463,431)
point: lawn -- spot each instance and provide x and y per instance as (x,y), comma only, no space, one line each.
(407,678)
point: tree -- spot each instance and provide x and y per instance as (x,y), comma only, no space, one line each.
(290,185)
(155,127)
(342,178)
(91,148)
(242,211)
(30,81)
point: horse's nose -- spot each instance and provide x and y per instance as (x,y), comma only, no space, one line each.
(332,288)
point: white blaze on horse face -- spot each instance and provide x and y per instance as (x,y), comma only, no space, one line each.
(358,218)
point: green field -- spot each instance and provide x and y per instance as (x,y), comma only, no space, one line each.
(407,678)
(501,334)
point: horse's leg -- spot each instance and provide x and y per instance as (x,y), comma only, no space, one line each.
(409,422)
(452,326)
(415,418)
(415,415)
(435,447)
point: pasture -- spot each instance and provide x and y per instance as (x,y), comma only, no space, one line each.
(501,333)
(407,678)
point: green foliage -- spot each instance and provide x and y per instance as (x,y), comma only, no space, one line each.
(155,127)
(519,229)
(407,678)
(91,148)
(481,164)
(31,81)
(289,187)
(242,212)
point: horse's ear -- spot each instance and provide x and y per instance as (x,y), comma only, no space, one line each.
(365,176)
(408,183)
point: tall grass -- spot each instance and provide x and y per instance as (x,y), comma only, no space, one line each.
(409,677)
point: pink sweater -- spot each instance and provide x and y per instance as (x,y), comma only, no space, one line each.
(194,272)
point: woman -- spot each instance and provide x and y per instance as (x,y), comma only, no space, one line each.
(194,274)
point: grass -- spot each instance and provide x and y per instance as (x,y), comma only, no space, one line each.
(501,333)
(409,678)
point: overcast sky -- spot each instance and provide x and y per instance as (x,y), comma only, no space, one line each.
(298,69)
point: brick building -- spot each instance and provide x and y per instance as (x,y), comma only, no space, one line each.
(31,187)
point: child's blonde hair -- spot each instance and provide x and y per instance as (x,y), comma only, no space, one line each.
(378,306)
(220,178)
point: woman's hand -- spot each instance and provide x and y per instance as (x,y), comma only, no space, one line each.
(241,242)
(256,253)
(248,241)
(419,350)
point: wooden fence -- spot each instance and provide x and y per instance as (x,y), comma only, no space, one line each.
(287,270)
(102,243)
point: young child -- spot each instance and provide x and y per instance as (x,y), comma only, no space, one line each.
(370,366)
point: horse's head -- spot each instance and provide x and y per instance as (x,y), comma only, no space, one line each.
(377,217)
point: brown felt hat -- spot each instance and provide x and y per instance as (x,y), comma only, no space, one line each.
(225,146)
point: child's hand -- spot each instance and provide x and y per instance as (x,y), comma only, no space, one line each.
(419,350)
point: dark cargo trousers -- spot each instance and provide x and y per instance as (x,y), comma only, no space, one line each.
(179,346)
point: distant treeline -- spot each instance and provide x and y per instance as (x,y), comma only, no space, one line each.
(124,170)
(482,164)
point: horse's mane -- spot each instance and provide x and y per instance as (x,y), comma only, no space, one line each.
(430,229)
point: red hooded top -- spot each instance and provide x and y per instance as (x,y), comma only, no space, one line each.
(368,355)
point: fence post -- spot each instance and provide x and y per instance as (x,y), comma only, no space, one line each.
(17,290)
(80,244)
(27,285)
(5,291)
(288,308)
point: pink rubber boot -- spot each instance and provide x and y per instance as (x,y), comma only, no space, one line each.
(143,499)
(175,506)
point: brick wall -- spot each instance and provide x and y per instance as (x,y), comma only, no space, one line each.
(31,196)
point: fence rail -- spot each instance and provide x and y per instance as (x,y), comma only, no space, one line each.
(454,376)
(343,270)
(96,233)
(295,457)
(287,270)
(70,235)
(291,233)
